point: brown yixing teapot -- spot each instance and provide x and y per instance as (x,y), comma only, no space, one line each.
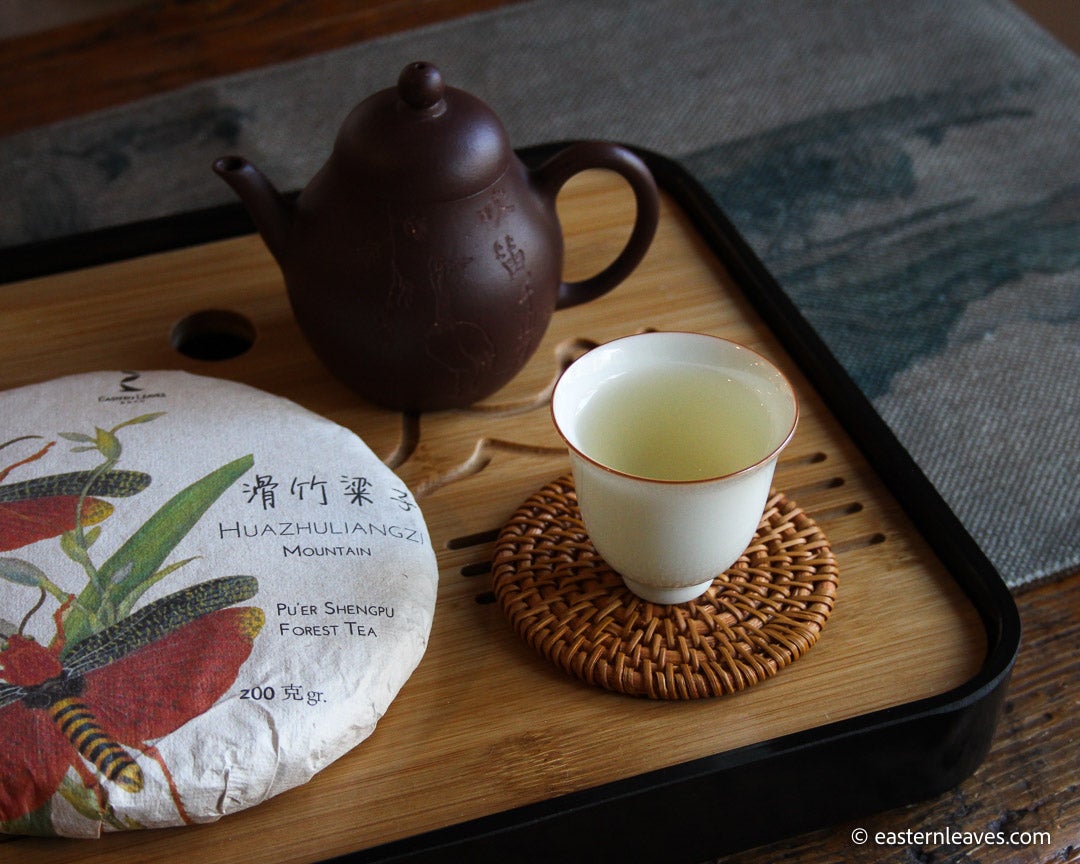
(424,260)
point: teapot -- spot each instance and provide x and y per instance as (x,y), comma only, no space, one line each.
(423,262)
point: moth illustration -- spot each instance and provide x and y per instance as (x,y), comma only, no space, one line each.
(80,709)
(45,507)
(134,681)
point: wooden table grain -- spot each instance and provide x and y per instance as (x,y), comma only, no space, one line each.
(1028,783)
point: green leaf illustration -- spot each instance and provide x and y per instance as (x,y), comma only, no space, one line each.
(24,573)
(134,566)
(36,824)
(21,572)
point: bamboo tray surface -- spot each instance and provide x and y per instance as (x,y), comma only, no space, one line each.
(485,724)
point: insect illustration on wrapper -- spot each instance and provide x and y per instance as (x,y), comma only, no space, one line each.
(80,710)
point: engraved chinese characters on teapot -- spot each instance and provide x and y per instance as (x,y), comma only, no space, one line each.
(424,260)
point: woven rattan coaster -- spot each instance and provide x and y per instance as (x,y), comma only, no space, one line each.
(763,613)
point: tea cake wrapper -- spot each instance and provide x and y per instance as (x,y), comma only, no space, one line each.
(202,579)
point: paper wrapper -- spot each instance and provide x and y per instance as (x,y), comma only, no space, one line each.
(208,594)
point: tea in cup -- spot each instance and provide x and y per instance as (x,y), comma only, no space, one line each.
(673,441)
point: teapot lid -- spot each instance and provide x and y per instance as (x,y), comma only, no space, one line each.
(422,140)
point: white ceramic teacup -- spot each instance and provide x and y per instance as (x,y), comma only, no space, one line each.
(673,440)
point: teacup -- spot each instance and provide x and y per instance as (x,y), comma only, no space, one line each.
(673,441)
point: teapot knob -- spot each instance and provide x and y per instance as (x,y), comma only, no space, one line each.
(420,85)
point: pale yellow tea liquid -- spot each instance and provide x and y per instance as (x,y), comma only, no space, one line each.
(676,422)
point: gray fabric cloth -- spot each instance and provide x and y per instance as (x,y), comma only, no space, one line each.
(908,172)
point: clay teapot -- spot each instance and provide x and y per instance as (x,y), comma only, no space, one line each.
(424,260)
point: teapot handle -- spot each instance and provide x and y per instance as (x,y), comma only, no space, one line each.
(553,174)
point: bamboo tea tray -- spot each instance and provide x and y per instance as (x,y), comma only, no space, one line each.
(490,748)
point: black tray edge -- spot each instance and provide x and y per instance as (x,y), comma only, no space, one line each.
(121,242)
(750,795)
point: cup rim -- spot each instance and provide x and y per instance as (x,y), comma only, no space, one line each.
(697,480)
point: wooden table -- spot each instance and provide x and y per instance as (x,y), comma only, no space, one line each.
(1027,783)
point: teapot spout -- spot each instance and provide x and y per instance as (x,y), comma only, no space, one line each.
(271,211)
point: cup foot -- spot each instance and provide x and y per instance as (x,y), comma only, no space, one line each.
(656,594)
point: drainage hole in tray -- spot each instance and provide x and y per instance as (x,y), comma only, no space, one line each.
(213,334)
(467,540)
(863,542)
(476,568)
